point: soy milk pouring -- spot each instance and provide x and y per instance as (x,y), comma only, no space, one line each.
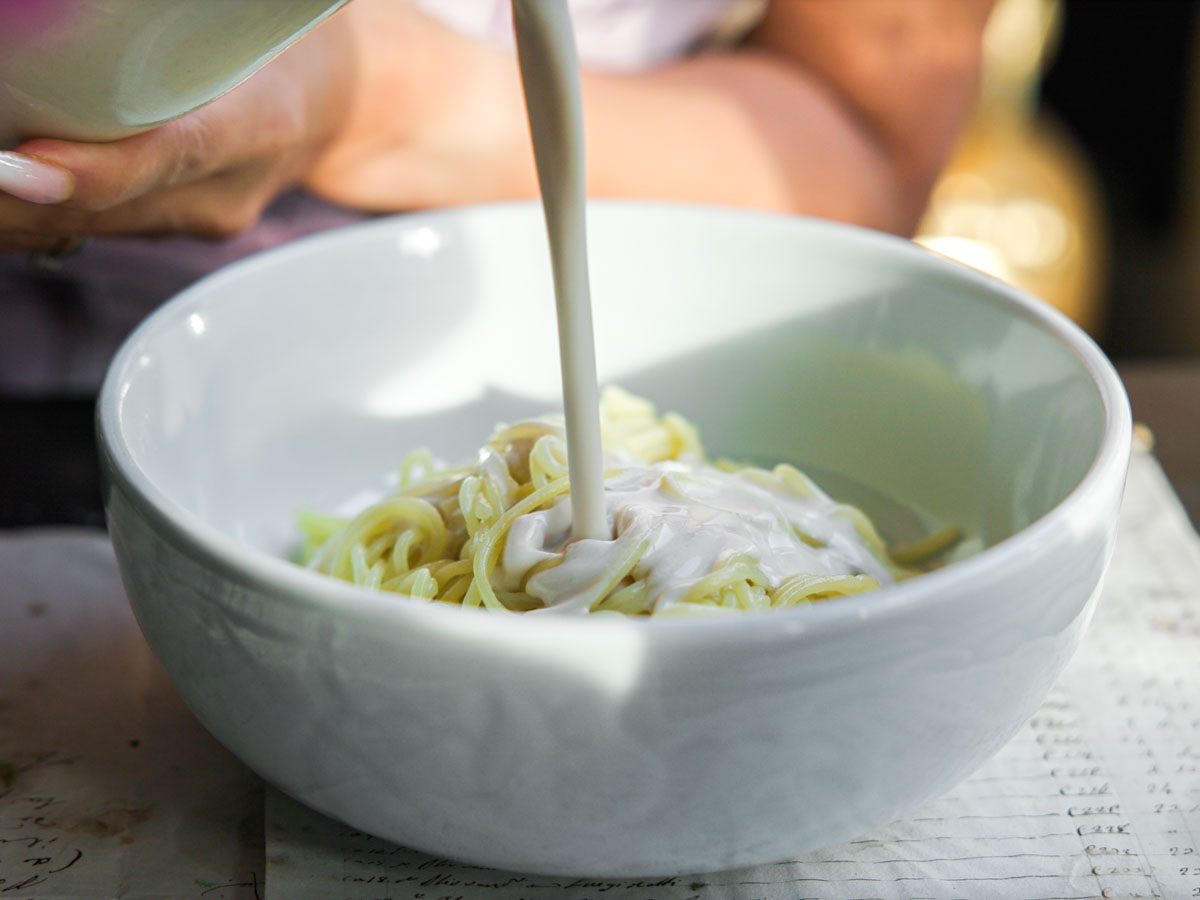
(550,75)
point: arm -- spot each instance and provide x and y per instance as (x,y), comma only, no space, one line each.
(842,109)
(837,108)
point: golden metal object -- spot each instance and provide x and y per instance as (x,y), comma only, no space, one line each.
(1018,199)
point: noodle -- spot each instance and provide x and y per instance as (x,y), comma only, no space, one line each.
(686,536)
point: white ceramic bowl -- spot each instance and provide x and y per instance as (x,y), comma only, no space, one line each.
(98,70)
(300,378)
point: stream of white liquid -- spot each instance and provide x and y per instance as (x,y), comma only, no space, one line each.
(550,75)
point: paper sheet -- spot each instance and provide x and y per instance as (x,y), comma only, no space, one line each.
(1098,796)
(108,785)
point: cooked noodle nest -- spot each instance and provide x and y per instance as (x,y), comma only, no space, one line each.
(441,535)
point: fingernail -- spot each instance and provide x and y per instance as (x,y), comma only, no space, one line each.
(30,179)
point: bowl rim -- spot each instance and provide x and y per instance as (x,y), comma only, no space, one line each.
(292,583)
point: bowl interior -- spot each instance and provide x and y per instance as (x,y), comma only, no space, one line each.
(301,378)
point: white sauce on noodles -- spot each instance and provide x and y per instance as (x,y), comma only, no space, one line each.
(694,517)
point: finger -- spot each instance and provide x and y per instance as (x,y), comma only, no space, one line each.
(259,119)
(108,175)
(50,223)
(54,260)
(34,180)
(221,206)
(217,207)
(28,242)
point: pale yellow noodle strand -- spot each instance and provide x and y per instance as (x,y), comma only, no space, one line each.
(547,461)
(610,577)
(456,591)
(926,548)
(736,569)
(489,548)
(417,467)
(632,599)
(807,588)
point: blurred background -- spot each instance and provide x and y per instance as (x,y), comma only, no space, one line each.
(1079,179)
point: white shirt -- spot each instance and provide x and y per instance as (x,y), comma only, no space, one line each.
(618,35)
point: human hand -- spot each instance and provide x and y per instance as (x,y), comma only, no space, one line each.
(437,118)
(210,173)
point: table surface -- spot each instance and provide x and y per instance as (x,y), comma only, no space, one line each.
(1165,397)
(48,472)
